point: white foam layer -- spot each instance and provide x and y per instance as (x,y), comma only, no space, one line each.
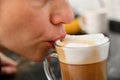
(84,40)
(83,49)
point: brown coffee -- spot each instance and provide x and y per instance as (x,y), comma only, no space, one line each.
(94,71)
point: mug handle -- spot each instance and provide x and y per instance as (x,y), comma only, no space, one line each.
(47,68)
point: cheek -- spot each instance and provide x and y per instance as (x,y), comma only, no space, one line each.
(26,23)
(39,25)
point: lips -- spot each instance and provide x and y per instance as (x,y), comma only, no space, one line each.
(60,37)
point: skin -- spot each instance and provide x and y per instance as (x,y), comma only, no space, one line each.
(30,27)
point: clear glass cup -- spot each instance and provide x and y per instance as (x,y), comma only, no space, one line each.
(80,63)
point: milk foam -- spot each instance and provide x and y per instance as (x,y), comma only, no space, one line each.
(83,49)
(83,40)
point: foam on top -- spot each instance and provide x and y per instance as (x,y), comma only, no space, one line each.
(83,40)
(83,49)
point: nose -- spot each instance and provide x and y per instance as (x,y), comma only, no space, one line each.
(61,13)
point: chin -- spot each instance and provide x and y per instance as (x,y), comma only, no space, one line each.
(35,53)
(39,57)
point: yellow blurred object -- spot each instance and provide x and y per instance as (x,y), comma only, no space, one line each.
(73,28)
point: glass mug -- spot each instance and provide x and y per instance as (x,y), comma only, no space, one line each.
(85,62)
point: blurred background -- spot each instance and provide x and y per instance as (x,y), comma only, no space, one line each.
(94,16)
(91,16)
